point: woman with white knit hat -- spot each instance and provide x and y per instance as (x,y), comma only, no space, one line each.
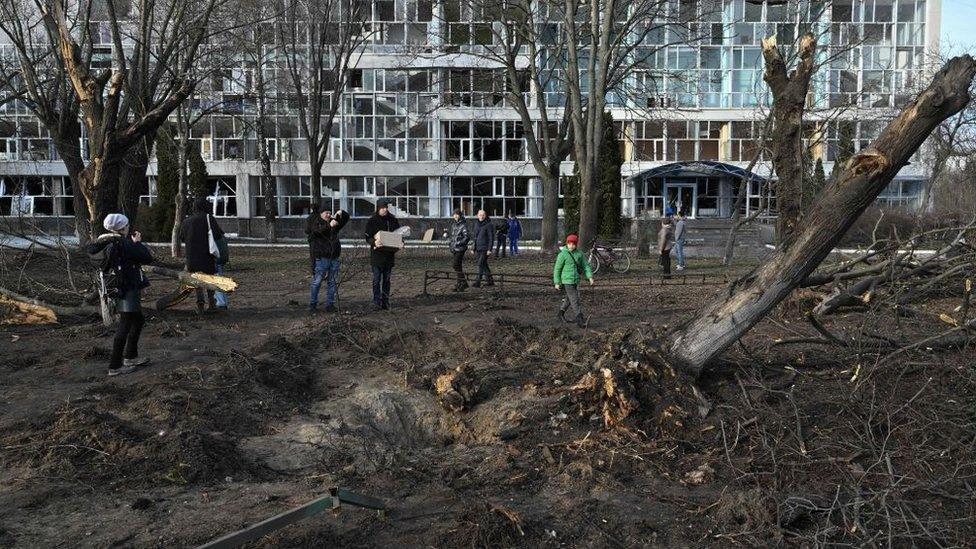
(121,255)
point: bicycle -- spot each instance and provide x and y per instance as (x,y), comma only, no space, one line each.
(601,254)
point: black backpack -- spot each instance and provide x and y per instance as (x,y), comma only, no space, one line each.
(108,262)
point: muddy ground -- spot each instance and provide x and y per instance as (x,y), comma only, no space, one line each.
(246,413)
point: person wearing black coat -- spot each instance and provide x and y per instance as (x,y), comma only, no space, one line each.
(501,234)
(325,249)
(125,253)
(484,241)
(381,260)
(459,246)
(195,234)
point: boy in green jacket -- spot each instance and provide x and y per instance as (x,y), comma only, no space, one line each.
(570,264)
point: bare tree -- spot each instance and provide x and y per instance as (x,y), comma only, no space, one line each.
(523,54)
(258,48)
(729,315)
(34,74)
(155,41)
(605,41)
(320,41)
(789,105)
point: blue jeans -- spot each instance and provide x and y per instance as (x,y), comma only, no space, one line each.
(325,268)
(513,246)
(381,285)
(220,298)
(679,251)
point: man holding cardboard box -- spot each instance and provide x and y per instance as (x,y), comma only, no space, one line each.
(383,244)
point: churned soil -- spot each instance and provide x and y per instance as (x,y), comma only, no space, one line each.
(481,418)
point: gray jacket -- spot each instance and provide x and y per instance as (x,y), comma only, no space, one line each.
(679,230)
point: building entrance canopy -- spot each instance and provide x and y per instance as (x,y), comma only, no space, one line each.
(695,189)
(700,168)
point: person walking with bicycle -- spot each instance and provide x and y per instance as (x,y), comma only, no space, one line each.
(571,266)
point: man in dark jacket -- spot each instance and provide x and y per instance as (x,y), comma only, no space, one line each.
(323,239)
(501,234)
(195,233)
(381,260)
(459,246)
(484,240)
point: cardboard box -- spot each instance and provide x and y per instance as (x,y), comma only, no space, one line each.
(387,241)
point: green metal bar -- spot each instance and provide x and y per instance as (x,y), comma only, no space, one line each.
(265,527)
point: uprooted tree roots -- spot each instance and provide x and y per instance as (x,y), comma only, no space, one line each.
(633,388)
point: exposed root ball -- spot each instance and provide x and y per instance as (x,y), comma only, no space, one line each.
(632,387)
(455,389)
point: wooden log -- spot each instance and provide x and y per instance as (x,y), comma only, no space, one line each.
(39,310)
(195,280)
(728,316)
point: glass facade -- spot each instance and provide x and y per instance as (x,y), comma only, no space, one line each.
(445,136)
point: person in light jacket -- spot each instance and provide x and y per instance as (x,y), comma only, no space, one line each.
(679,240)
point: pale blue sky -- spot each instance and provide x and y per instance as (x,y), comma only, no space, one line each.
(959,25)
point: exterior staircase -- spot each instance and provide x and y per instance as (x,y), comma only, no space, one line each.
(707,238)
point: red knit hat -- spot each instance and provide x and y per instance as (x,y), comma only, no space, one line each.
(572,239)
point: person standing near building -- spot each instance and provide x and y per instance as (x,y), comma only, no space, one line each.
(381,260)
(196,233)
(665,241)
(679,240)
(326,248)
(484,240)
(120,257)
(514,233)
(459,240)
(501,234)
(571,265)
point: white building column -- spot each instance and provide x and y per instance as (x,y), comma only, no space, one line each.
(242,186)
(434,191)
(534,206)
(627,197)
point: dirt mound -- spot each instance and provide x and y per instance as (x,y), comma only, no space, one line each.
(178,428)
(85,443)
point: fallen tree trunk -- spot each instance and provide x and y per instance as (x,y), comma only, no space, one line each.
(34,311)
(195,280)
(729,315)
